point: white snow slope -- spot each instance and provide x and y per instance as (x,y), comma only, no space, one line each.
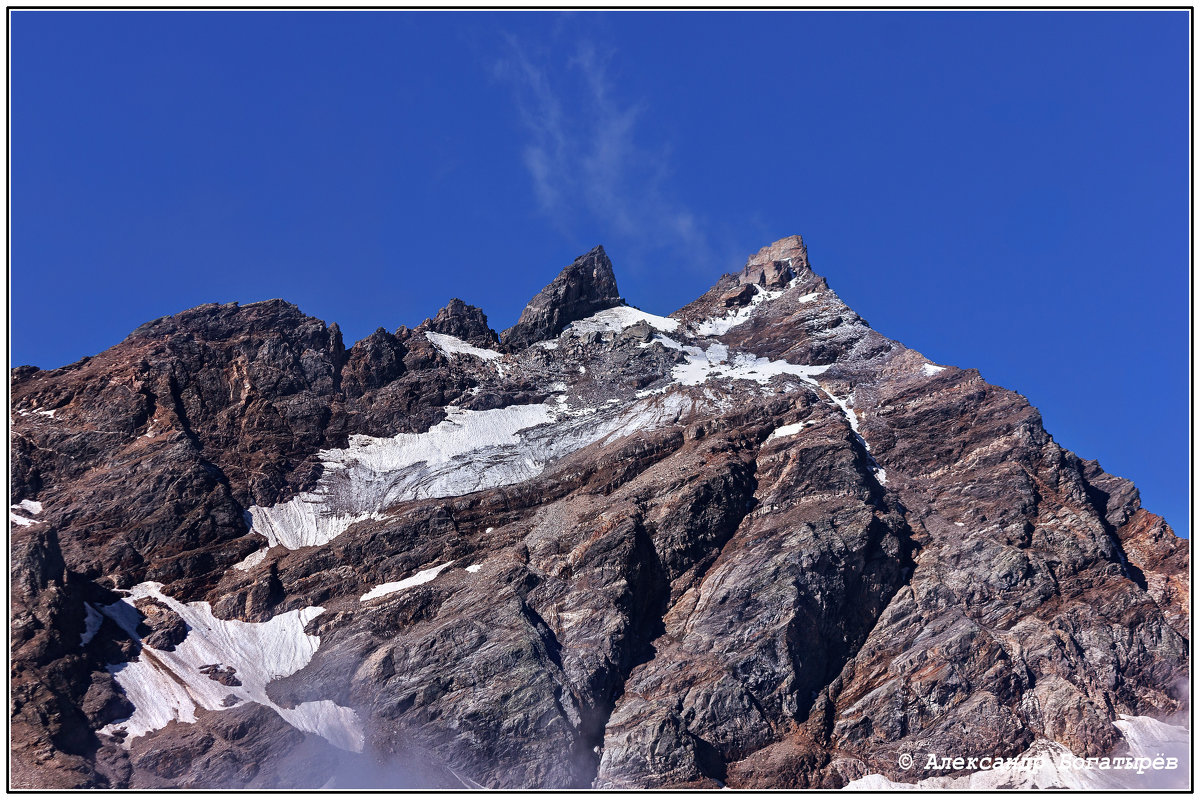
(166,685)
(452,345)
(467,452)
(424,576)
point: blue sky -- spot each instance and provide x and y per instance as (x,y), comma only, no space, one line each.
(1002,190)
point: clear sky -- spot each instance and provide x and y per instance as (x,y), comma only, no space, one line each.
(1001,190)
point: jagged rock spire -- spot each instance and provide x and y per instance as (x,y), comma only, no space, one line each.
(468,323)
(580,290)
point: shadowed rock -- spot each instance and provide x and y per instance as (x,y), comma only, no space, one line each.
(580,290)
(465,322)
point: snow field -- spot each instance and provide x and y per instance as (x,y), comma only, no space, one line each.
(168,685)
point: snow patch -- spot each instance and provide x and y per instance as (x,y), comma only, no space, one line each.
(29,507)
(719,326)
(930,369)
(32,506)
(808,298)
(253,560)
(648,392)
(452,345)
(715,362)
(564,407)
(437,463)
(647,416)
(424,576)
(618,319)
(304,521)
(467,452)
(91,624)
(846,405)
(169,685)
(1147,735)
(787,430)
(475,568)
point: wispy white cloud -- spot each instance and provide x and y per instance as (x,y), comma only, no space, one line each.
(589,162)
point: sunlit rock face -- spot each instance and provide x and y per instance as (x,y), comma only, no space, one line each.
(753,543)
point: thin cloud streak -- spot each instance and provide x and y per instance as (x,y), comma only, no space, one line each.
(588,165)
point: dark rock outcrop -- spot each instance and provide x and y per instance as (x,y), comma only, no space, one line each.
(161,628)
(465,322)
(580,290)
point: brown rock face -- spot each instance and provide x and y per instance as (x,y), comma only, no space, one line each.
(161,628)
(756,544)
(776,264)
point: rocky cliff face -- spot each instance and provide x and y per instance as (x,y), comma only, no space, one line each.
(754,544)
(581,289)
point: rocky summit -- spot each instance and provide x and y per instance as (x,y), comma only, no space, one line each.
(754,544)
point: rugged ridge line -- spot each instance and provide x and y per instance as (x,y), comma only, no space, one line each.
(754,544)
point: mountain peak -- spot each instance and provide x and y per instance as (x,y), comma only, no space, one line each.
(777,263)
(585,286)
(463,321)
(579,537)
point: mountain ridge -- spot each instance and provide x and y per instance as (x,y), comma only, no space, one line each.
(628,488)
